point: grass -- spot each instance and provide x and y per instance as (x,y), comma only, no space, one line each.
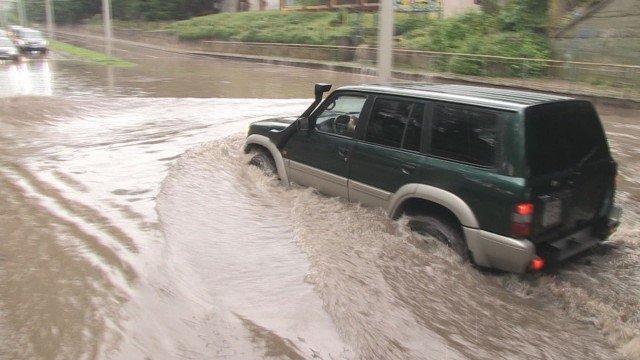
(90,55)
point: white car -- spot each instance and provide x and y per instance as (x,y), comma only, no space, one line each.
(8,50)
(28,40)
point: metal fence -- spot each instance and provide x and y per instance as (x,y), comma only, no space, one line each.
(588,78)
(361,5)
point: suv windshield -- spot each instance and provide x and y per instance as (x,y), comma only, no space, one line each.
(563,136)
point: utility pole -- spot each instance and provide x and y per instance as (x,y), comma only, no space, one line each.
(106,19)
(22,14)
(385,38)
(50,17)
(3,13)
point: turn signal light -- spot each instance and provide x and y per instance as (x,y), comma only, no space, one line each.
(536,264)
(524,209)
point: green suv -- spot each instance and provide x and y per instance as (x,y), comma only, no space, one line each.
(508,179)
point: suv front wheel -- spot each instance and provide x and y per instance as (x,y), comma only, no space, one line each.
(264,162)
(442,230)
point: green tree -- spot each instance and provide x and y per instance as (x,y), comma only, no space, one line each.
(65,12)
(524,15)
(490,7)
(152,10)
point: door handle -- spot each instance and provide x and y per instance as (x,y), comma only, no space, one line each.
(343,153)
(407,168)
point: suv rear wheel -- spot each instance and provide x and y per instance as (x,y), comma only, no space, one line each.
(264,162)
(443,230)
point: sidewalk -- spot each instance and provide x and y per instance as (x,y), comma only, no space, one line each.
(609,95)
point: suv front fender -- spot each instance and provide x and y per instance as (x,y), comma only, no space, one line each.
(266,143)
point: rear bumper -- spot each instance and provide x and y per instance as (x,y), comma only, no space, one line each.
(499,252)
(515,255)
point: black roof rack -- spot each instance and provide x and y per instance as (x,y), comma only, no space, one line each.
(478,95)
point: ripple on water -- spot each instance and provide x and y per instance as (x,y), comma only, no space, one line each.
(387,293)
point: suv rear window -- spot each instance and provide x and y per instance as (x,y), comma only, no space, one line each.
(466,134)
(563,135)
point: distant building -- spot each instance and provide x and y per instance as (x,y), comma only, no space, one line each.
(457,7)
(264,5)
(248,5)
(447,7)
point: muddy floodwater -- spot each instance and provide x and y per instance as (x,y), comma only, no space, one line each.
(132,228)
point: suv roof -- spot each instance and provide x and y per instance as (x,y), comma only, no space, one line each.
(482,96)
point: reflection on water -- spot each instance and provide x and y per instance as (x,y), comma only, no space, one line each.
(29,77)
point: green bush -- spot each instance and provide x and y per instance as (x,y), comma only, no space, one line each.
(264,26)
(406,23)
(467,65)
(470,33)
(524,15)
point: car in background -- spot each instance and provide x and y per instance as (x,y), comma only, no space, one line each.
(29,40)
(8,50)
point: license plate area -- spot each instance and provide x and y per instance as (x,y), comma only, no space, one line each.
(551,211)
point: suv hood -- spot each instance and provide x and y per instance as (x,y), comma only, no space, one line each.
(275,123)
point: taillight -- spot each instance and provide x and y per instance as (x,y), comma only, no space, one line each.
(521,220)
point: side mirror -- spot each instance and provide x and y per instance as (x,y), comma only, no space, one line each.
(303,124)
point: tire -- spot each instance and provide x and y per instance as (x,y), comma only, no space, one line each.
(443,230)
(264,162)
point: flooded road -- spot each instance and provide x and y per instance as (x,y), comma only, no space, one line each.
(131,228)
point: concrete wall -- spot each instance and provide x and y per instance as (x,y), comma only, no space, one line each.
(610,35)
(256,5)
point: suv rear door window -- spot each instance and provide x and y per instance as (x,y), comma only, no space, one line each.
(395,122)
(413,131)
(464,133)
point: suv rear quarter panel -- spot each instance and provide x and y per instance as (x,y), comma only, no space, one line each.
(490,195)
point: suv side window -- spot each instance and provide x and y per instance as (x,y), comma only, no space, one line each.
(464,133)
(413,131)
(340,115)
(393,120)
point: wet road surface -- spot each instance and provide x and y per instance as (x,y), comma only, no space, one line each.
(131,227)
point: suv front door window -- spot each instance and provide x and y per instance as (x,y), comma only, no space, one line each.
(341,115)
